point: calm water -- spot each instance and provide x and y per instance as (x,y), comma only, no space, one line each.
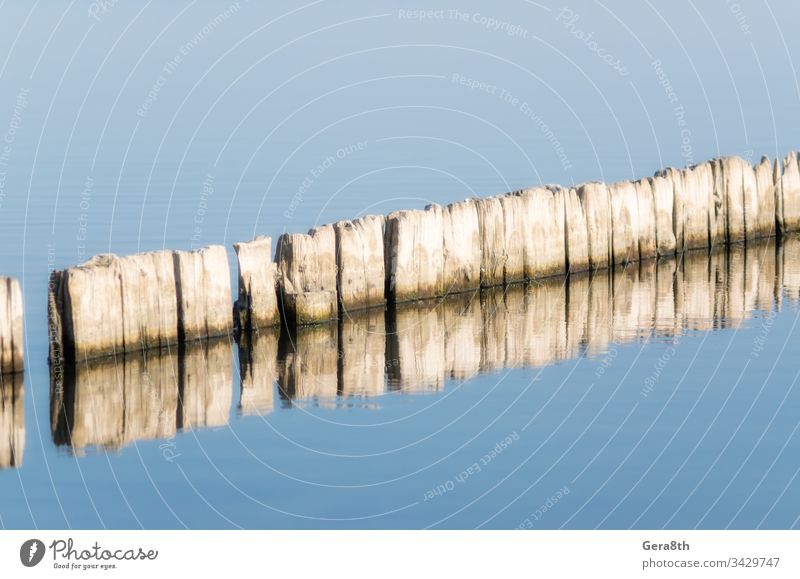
(660,396)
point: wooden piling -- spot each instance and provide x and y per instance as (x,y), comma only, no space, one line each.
(307,276)
(361,273)
(257,303)
(413,250)
(11,339)
(111,305)
(461,247)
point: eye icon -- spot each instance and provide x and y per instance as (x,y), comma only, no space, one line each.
(32,552)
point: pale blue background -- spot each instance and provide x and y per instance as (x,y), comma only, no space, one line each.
(268,95)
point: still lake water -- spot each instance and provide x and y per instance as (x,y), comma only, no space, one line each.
(659,396)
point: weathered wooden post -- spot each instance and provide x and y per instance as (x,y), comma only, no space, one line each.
(307,276)
(414,255)
(11,340)
(461,247)
(663,205)
(203,287)
(361,273)
(597,208)
(111,305)
(257,303)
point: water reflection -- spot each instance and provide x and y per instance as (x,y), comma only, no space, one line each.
(109,403)
(12,420)
(417,347)
(258,363)
(309,366)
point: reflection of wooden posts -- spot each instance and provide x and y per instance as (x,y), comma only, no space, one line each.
(111,402)
(697,292)
(733,298)
(150,399)
(790,267)
(647,296)
(624,318)
(463,326)
(415,348)
(12,420)
(258,368)
(545,314)
(577,304)
(634,299)
(205,384)
(600,308)
(666,319)
(309,363)
(362,354)
(495,329)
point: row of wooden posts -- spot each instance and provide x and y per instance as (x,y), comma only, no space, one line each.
(116,304)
